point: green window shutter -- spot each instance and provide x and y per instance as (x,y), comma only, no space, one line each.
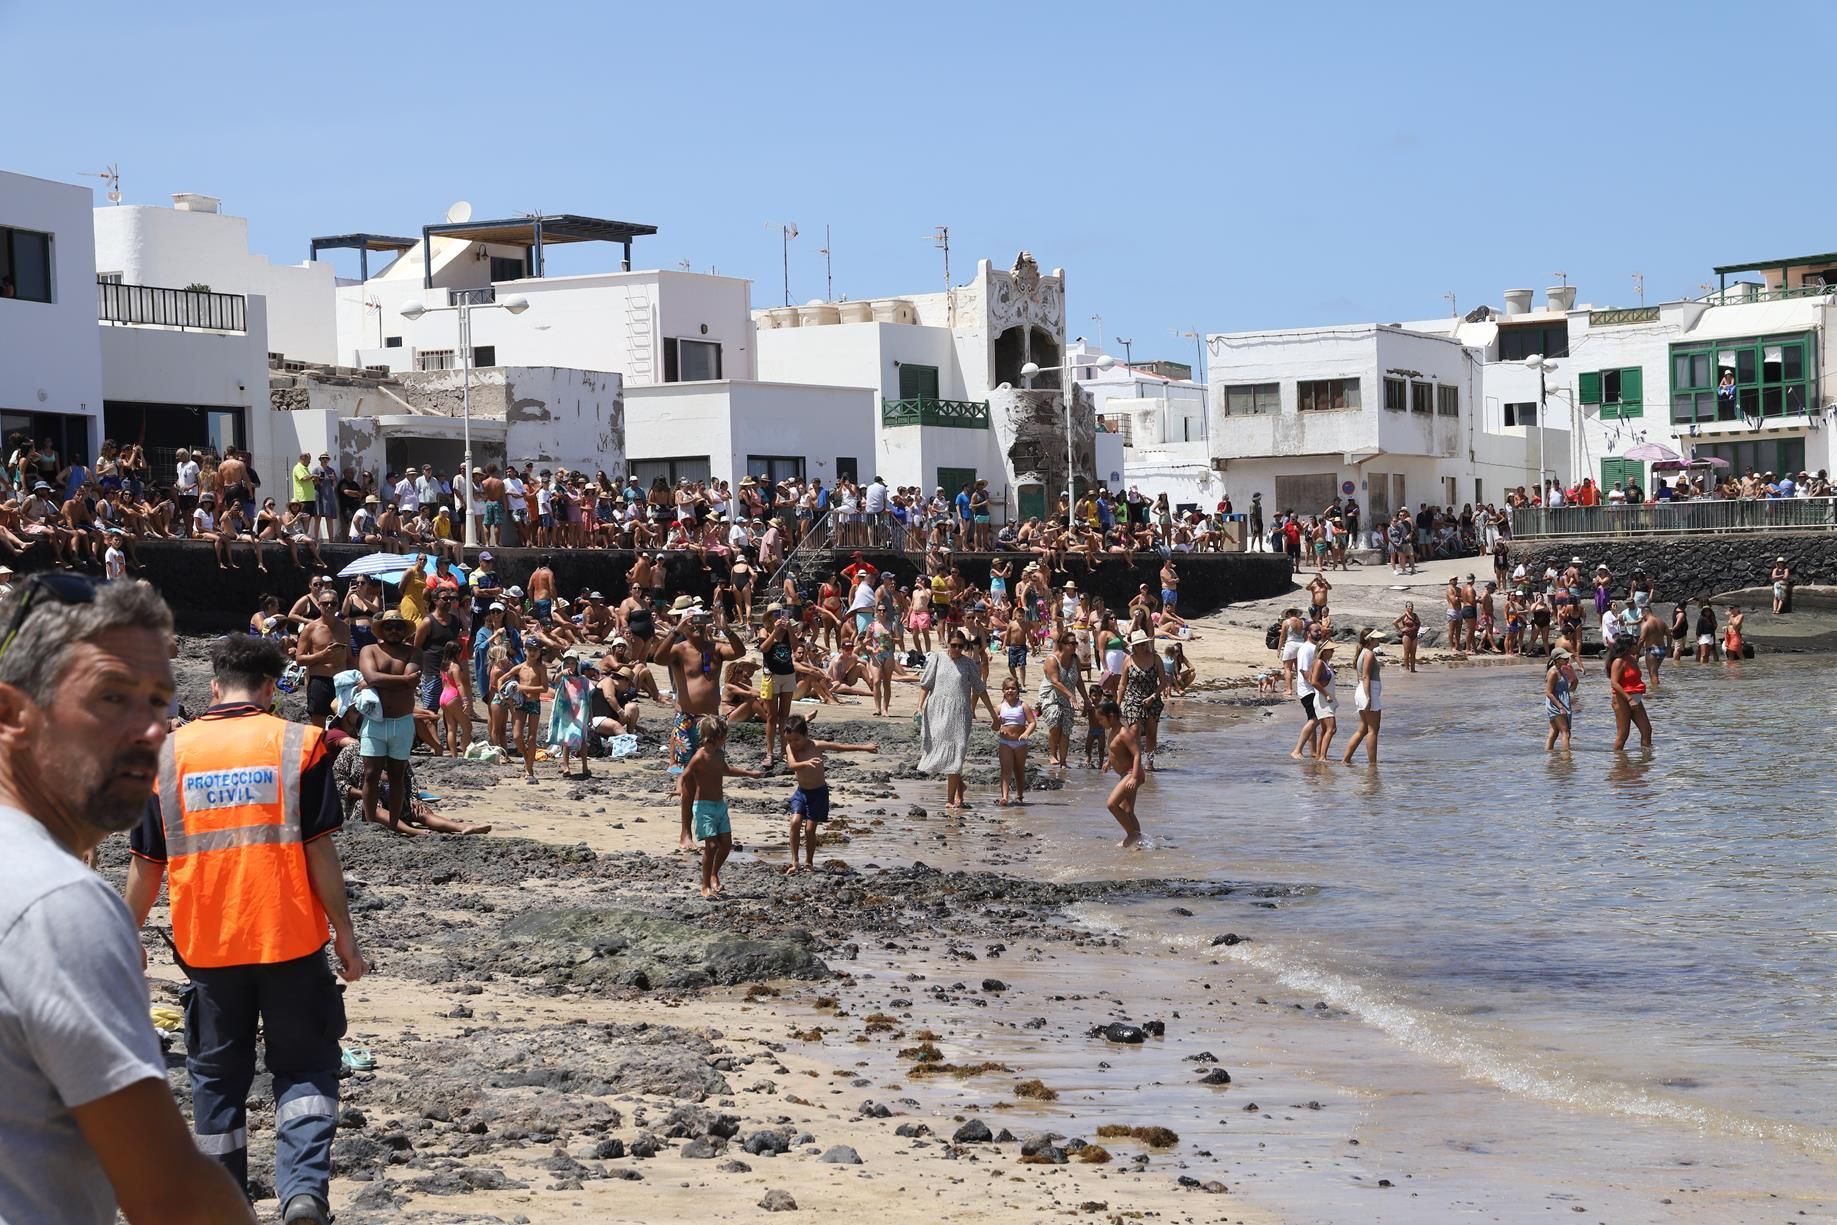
(918,381)
(1588,386)
(1632,392)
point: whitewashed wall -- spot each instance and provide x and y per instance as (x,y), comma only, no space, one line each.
(171,248)
(49,353)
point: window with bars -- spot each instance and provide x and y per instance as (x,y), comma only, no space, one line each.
(1396,397)
(436,359)
(1422,397)
(1252,399)
(1447,400)
(1323,395)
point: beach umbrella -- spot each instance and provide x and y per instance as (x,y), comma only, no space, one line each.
(390,567)
(1651,450)
(1678,465)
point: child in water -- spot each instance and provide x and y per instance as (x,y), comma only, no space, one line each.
(1124,749)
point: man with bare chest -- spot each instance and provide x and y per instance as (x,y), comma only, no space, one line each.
(542,591)
(491,505)
(390,668)
(324,650)
(695,662)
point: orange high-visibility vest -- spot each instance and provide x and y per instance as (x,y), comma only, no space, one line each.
(237,884)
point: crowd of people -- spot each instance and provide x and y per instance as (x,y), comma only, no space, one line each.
(451,660)
(80,511)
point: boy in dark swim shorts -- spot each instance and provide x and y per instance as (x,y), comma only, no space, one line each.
(809,804)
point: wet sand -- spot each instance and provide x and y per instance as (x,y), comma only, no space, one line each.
(565,1031)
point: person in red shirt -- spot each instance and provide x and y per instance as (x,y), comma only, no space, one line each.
(859,566)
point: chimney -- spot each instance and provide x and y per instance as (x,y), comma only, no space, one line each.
(1560,297)
(1517,301)
(192,202)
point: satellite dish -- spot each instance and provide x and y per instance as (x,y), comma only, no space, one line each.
(459,212)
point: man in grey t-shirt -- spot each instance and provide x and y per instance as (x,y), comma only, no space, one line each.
(86,1117)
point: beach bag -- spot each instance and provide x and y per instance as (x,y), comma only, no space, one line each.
(481,750)
(1273,638)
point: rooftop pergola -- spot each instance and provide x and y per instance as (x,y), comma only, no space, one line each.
(1773,265)
(363,244)
(533,233)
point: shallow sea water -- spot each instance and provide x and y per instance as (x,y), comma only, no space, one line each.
(1615,965)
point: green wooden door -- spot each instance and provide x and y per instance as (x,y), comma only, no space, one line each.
(954,479)
(1032,502)
(1622,470)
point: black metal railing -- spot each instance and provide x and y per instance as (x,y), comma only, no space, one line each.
(1676,518)
(472,297)
(174,308)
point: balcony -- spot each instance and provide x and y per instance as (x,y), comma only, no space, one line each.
(186,309)
(472,297)
(926,410)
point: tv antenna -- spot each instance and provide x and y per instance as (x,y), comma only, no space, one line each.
(940,238)
(1449,298)
(110,174)
(1098,320)
(1562,279)
(1639,286)
(786,232)
(829,280)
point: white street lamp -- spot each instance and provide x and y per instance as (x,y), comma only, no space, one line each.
(1033,370)
(1543,366)
(413,310)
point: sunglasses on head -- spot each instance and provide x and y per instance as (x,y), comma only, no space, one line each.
(64,588)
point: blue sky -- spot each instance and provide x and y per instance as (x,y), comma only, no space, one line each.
(1215,166)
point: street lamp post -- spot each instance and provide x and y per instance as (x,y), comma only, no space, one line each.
(1033,370)
(412,311)
(1543,366)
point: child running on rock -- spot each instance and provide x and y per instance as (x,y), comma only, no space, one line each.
(810,802)
(703,800)
(1124,748)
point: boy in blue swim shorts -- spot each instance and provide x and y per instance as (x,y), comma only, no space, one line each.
(703,802)
(809,804)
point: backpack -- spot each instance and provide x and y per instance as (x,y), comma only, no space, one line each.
(1273,639)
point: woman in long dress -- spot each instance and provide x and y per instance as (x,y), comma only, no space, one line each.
(949,688)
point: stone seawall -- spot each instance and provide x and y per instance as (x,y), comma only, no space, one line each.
(207,599)
(1693,566)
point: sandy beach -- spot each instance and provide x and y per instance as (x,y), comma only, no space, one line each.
(564,1030)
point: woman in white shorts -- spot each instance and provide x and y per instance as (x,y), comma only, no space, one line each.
(1294,633)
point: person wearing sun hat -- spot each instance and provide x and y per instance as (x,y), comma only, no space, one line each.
(1144,681)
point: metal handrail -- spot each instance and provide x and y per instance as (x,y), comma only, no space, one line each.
(1698,515)
(178,308)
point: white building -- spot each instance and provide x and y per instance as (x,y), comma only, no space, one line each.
(195,242)
(1155,415)
(1378,413)
(559,418)
(50,355)
(681,345)
(945,372)
(1628,376)
(84,357)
